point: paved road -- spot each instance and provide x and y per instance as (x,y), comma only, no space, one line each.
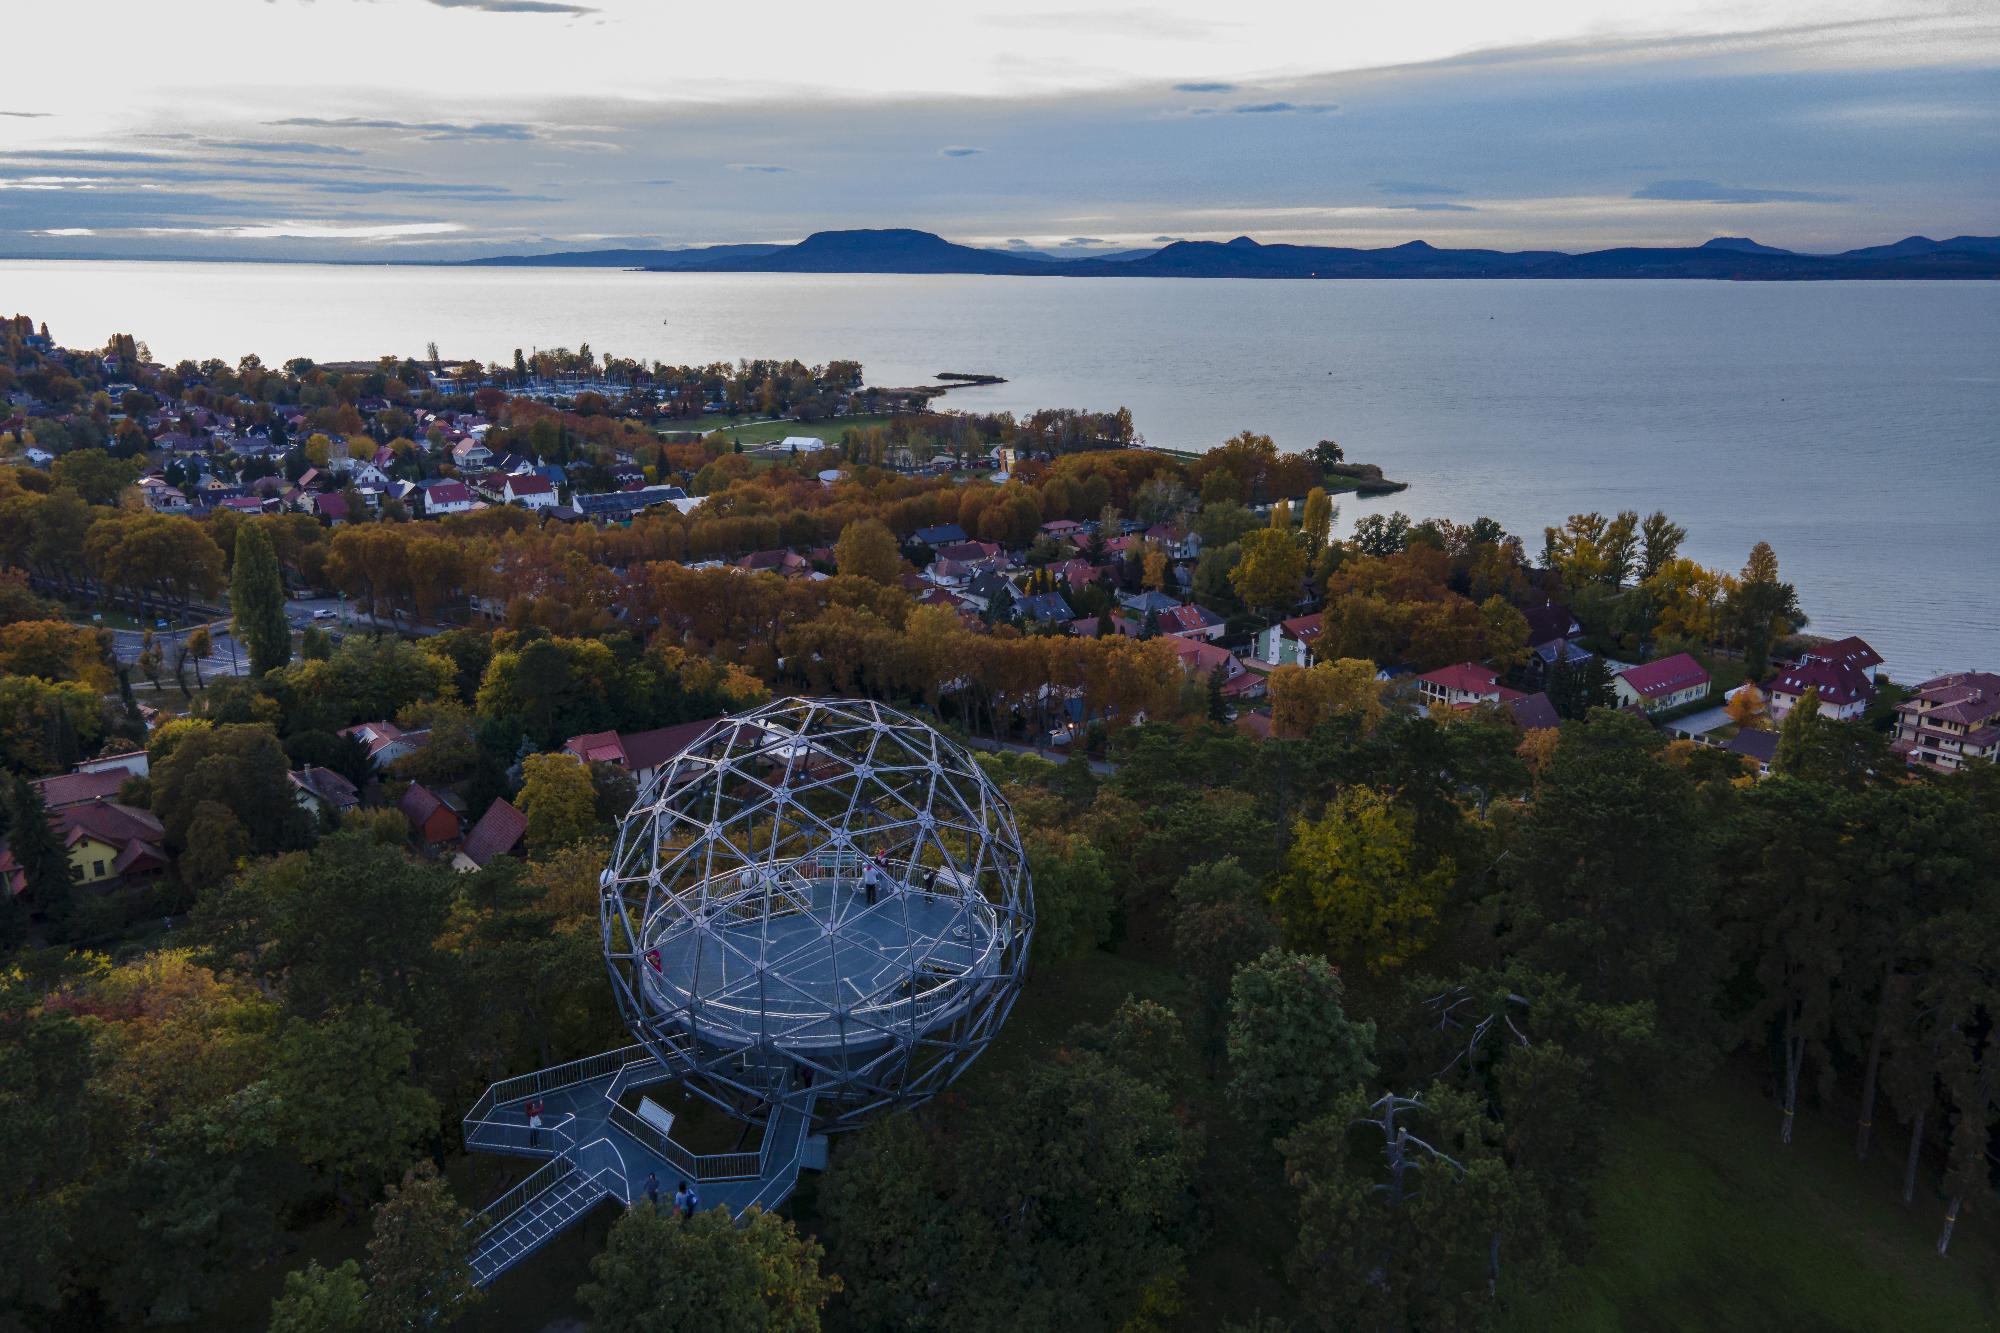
(226,657)
(301,612)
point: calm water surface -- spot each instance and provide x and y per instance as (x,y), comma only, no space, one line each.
(1855,426)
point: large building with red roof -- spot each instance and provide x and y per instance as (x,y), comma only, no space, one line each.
(1842,672)
(1658,686)
(1465,684)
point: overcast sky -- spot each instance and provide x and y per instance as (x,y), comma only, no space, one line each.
(413,129)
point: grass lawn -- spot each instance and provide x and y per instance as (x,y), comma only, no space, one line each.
(1704,1222)
(764,432)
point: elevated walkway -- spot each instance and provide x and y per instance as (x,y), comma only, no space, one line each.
(595,1149)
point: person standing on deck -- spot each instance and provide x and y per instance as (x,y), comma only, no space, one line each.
(534,1124)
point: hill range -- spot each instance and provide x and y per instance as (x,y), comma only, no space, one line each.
(903,250)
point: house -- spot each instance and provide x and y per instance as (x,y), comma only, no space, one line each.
(329,505)
(616,505)
(133,763)
(1843,672)
(1148,603)
(109,844)
(448,497)
(321,791)
(969,552)
(1533,712)
(533,491)
(1063,529)
(1658,686)
(800,444)
(498,833)
(1202,659)
(1289,642)
(468,454)
(1087,627)
(1189,621)
(785,564)
(1463,685)
(1949,720)
(1179,544)
(1759,747)
(386,741)
(432,819)
(1549,622)
(1045,608)
(941,534)
(162,498)
(644,753)
(1078,574)
(81,788)
(1544,656)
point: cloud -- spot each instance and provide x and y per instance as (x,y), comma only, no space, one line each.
(1169,240)
(1415,187)
(515,6)
(763,168)
(1433,206)
(663,180)
(283,146)
(430,129)
(1204,87)
(1708,192)
(1016,243)
(1283,108)
(27,115)
(311,230)
(1086,240)
(65,231)
(958,150)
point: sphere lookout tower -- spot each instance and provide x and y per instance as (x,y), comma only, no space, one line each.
(818,911)
(820,899)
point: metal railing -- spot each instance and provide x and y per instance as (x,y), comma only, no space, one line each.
(517,1136)
(544,1081)
(542,1178)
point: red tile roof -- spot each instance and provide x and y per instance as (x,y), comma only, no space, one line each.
(69,789)
(1838,682)
(1468,678)
(497,833)
(1666,676)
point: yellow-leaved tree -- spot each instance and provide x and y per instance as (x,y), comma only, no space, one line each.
(1355,884)
(1304,697)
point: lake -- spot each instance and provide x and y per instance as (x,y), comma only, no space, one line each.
(1854,426)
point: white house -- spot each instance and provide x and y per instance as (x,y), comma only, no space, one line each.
(1289,642)
(534,491)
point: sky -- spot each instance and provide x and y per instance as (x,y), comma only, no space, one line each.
(440,129)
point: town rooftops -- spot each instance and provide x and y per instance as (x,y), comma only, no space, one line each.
(1547,622)
(1304,629)
(941,534)
(1533,712)
(1852,651)
(1186,619)
(1467,678)
(447,493)
(1669,675)
(640,751)
(1969,698)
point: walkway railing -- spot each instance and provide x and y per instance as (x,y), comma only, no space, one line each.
(514,1135)
(545,1081)
(543,1178)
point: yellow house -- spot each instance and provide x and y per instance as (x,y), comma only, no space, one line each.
(108,843)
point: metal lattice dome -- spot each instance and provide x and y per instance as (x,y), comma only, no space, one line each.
(820,904)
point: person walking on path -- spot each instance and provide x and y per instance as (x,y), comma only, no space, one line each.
(684,1201)
(653,1190)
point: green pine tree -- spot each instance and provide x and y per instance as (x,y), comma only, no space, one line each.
(257,596)
(40,856)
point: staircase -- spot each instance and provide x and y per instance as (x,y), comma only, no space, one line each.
(596,1149)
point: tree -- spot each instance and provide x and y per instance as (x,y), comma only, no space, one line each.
(366,1123)
(216,843)
(1574,688)
(558,800)
(1272,572)
(239,768)
(1356,883)
(420,1255)
(1661,540)
(1403,1205)
(40,856)
(1303,698)
(1608,879)
(1073,896)
(95,475)
(1220,924)
(868,550)
(1316,521)
(1761,609)
(322,1300)
(1292,1047)
(658,1274)
(1746,707)
(257,599)
(198,645)
(1506,633)
(1326,454)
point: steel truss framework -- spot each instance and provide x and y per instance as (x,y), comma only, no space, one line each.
(821,903)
